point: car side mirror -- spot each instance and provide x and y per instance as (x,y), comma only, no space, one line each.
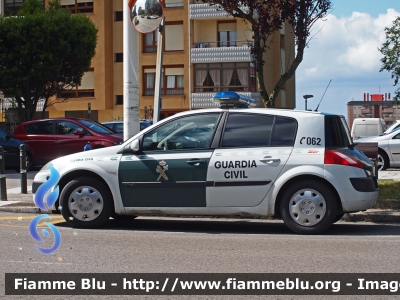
(135,147)
(78,132)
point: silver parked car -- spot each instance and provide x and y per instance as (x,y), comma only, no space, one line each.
(388,149)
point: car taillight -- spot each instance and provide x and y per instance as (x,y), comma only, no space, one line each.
(334,157)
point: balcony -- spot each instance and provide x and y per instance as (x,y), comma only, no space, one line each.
(388,110)
(209,52)
(206,11)
(366,111)
(204,100)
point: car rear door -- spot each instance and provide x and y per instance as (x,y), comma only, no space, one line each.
(171,169)
(40,141)
(253,151)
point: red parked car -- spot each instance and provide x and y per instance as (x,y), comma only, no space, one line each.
(51,138)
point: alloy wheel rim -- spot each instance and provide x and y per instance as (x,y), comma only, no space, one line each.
(381,162)
(85,203)
(307,207)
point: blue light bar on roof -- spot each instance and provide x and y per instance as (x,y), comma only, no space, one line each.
(232,99)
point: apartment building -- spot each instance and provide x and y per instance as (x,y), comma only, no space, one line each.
(205,51)
(374,106)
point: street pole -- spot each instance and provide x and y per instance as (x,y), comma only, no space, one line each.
(159,62)
(131,75)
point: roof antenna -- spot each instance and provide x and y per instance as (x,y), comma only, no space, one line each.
(323,95)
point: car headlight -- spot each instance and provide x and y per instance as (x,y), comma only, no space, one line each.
(118,143)
(45,168)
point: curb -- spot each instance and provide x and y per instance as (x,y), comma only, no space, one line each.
(385,211)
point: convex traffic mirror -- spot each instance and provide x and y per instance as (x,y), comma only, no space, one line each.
(146,15)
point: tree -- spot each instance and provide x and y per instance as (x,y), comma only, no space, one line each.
(42,52)
(391,51)
(266,17)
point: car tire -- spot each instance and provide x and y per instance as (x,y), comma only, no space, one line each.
(383,161)
(86,203)
(308,207)
(338,217)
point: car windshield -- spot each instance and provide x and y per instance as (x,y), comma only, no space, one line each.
(97,127)
(393,127)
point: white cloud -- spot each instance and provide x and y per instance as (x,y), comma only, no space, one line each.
(346,51)
(346,47)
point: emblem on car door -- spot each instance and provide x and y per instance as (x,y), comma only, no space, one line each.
(161,168)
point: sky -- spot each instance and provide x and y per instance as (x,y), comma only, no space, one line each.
(344,49)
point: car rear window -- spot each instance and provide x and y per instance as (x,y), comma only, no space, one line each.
(41,127)
(336,132)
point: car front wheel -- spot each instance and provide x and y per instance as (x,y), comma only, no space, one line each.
(86,203)
(308,207)
(383,162)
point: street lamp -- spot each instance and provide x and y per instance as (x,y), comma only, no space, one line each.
(307,97)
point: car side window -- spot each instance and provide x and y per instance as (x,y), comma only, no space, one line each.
(252,130)
(119,127)
(397,137)
(188,132)
(247,130)
(41,127)
(284,132)
(67,128)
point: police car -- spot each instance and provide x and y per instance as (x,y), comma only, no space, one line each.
(300,166)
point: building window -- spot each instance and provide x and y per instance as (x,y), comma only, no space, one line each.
(172,82)
(224,76)
(174,34)
(85,89)
(11,7)
(119,99)
(150,42)
(227,34)
(119,57)
(119,16)
(77,6)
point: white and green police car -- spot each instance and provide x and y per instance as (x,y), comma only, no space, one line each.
(297,165)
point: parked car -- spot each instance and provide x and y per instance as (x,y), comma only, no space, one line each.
(395,126)
(118,126)
(48,139)
(366,127)
(388,149)
(12,151)
(297,165)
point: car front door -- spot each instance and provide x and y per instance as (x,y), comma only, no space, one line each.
(394,146)
(254,149)
(171,168)
(66,141)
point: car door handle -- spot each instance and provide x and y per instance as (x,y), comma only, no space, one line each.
(196,162)
(270,160)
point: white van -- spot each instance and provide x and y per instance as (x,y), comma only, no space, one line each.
(365,127)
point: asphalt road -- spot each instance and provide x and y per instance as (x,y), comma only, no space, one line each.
(166,245)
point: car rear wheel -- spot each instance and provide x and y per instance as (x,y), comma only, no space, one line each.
(308,207)
(383,162)
(86,203)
